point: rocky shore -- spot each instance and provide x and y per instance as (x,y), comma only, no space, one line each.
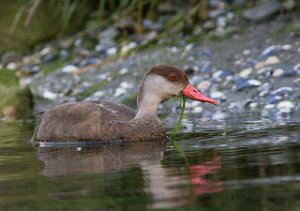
(248,64)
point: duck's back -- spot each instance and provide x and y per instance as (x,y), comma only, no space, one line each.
(77,120)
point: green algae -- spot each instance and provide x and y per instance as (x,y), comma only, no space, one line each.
(19,100)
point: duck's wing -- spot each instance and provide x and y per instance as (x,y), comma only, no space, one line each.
(64,121)
(115,111)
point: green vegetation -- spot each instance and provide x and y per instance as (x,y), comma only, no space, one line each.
(25,23)
(16,102)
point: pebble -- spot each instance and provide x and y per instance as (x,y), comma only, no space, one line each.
(285,106)
(48,58)
(243,83)
(111,51)
(272,60)
(204,66)
(278,72)
(269,106)
(246,72)
(263,10)
(89,61)
(128,47)
(69,69)
(221,21)
(209,25)
(246,52)
(11,66)
(204,85)
(282,91)
(221,74)
(277,95)
(123,71)
(289,73)
(49,95)
(197,109)
(217,95)
(45,51)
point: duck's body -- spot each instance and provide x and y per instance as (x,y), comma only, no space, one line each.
(105,122)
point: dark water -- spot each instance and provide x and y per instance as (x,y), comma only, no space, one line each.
(238,163)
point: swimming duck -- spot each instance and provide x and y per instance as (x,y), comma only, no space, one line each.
(101,121)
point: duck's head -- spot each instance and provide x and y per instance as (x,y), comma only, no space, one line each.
(164,81)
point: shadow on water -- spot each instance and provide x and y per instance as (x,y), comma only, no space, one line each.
(231,164)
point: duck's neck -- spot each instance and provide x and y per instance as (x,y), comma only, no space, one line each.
(149,97)
(147,106)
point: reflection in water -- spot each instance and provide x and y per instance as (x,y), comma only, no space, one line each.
(199,172)
(162,183)
(255,168)
(99,158)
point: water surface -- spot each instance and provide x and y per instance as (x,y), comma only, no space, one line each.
(236,163)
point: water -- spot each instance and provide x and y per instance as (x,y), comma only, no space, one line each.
(237,163)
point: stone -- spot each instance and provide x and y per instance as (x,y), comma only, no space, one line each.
(209,25)
(243,83)
(221,21)
(11,57)
(262,11)
(272,60)
(69,69)
(48,58)
(273,49)
(217,95)
(50,95)
(246,72)
(278,72)
(269,106)
(221,74)
(290,73)
(285,106)
(204,85)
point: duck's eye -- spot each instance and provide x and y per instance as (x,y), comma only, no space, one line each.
(172,76)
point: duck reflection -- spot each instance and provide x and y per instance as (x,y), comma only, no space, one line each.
(167,185)
(103,158)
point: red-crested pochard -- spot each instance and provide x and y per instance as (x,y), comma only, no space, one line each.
(105,122)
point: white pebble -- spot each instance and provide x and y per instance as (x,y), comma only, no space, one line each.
(246,52)
(254,82)
(272,60)
(246,72)
(297,67)
(50,95)
(11,66)
(253,105)
(285,106)
(111,51)
(286,47)
(217,95)
(69,69)
(278,72)
(45,51)
(197,109)
(123,71)
(269,106)
(188,47)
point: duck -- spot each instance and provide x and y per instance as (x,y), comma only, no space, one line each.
(103,121)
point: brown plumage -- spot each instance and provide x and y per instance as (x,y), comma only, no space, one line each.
(104,122)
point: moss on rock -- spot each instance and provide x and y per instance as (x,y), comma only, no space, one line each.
(16,101)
